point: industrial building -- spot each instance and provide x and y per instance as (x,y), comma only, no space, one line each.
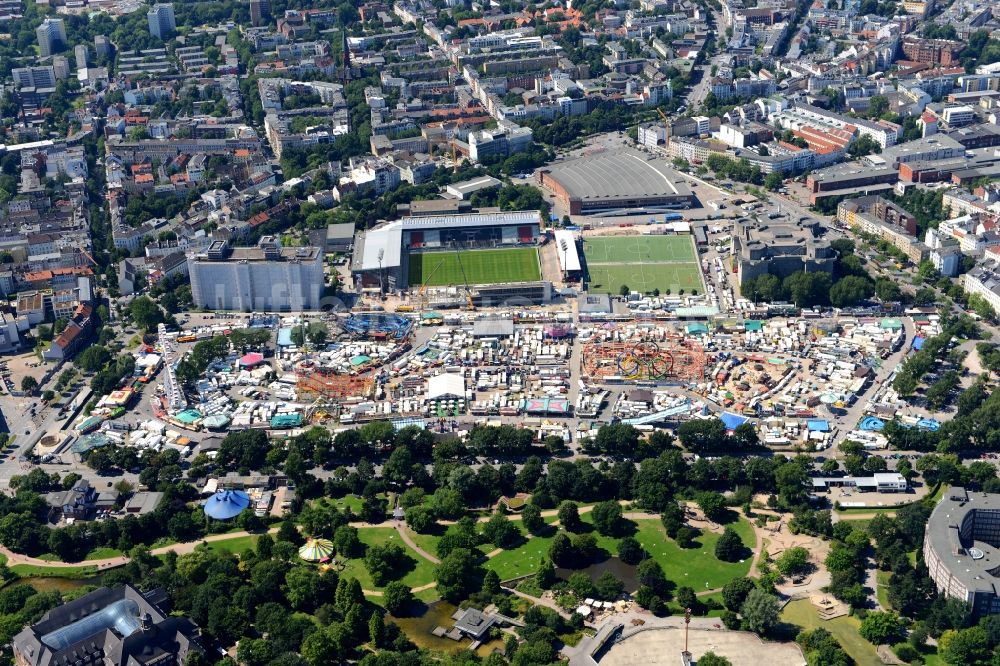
(616,182)
(265,277)
(960,548)
(111,626)
(780,249)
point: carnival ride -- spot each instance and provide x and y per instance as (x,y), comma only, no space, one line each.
(670,358)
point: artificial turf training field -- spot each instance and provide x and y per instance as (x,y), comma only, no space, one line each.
(642,263)
(441,269)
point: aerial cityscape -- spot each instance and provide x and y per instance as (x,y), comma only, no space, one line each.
(451,332)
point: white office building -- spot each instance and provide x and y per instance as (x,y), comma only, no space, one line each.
(51,36)
(161,20)
(267,277)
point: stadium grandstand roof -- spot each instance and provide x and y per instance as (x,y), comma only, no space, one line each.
(388,238)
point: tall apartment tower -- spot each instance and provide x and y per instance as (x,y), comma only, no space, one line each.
(260,11)
(161,20)
(51,36)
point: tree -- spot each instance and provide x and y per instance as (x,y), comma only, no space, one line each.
(965,646)
(458,575)
(569,517)
(607,517)
(384,561)
(793,561)
(759,612)
(546,575)
(850,290)
(624,291)
(630,551)
(864,145)
(145,313)
(609,587)
(499,531)
(735,592)
(729,547)
(397,598)
(700,435)
(319,649)
(880,627)
(491,583)
(712,659)
(773,181)
(713,505)
(531,518)
(376,629)
(29,384)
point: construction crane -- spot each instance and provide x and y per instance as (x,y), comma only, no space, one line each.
(666,123)
(454,160)
(423,287)
(468,290)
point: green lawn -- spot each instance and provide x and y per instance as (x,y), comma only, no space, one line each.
(421,573)
(33,571)
(522,560)
(437,269)
(102,553)
(235,545)
(844,629)
(642,263)
(644,249)
(693,567)
(697,567)
(882,589)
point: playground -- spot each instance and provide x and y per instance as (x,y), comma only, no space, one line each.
(642,263)
(449,269)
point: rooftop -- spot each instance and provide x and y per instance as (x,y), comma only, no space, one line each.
(973,563)
(615,174)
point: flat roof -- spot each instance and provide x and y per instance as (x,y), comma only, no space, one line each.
(618,174)
(942,535)
(343,231)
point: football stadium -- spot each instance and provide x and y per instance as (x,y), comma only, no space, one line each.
(448,269)
(494,253)
(643,264)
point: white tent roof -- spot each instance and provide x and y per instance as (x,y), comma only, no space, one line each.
(446,385)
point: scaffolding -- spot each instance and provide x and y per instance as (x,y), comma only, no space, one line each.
(656,355)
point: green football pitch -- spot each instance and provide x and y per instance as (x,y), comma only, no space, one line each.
(441,269)
(642,263)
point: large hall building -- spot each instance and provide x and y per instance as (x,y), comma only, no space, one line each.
(616,182)
(960,548)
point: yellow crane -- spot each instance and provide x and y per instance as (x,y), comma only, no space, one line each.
(666,123)
(423,287)
(454,159)
(468,290)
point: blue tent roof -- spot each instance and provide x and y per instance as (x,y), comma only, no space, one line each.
(226,504)
(732,421)
(918,342)
(818,425)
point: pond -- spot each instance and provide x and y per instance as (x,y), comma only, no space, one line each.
(626,573)
(61,585)
(438,614)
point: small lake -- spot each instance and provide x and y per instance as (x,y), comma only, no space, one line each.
(438,614)
(623,572)
(61,585)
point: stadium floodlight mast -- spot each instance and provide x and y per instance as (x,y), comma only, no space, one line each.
(565,248)
(381,286)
